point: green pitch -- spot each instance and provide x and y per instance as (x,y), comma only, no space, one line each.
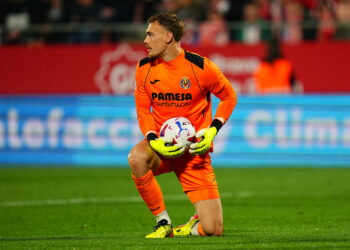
(76,208)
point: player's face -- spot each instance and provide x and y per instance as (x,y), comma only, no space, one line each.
(156,40)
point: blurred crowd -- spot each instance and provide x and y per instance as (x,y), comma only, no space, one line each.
(208,22)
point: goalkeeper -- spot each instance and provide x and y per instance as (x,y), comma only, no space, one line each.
(173,82)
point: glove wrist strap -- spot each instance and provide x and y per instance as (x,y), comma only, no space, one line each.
(151,136)
(217,124)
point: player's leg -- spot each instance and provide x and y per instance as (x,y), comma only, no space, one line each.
(199,183)
(210,218)
(144,162)
(210,222)
(142,158)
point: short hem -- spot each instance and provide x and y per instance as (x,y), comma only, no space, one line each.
(203,194)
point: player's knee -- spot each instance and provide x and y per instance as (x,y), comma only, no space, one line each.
(215,229)
(220,230)
(138,161)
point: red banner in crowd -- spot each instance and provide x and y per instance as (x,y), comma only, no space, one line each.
(74,69)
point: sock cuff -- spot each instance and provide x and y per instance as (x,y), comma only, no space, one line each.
(143,180)
(200,230)
(163,215)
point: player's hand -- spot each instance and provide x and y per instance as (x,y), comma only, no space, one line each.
(160,145)
(201,147)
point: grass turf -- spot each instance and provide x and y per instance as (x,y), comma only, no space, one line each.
(263,208)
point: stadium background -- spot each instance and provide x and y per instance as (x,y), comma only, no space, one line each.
(66,101)
(78,52)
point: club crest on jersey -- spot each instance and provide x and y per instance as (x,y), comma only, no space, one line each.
(185,82)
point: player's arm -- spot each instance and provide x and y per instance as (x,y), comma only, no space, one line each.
(147,123)
(143,107)
(221,88)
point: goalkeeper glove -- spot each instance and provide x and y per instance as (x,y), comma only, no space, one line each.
(160,145)
(207,135)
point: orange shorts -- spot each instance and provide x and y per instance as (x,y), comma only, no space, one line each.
(195,174)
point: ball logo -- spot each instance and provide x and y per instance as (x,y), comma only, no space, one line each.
(185,82)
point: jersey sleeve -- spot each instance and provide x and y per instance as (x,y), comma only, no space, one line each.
(143,104)
(220,86)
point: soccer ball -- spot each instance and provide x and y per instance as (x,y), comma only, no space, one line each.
(180,130)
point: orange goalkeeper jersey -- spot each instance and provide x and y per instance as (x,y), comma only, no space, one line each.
(181,87)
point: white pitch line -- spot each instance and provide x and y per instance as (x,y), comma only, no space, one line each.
(127,199)
(173,197)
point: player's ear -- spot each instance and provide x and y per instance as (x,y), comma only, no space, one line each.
(169,37)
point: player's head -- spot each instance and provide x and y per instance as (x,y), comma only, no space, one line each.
(163,30)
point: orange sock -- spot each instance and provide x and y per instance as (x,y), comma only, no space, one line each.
(150,192)
(200,230)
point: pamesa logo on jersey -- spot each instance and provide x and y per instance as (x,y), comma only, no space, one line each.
(185,82)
